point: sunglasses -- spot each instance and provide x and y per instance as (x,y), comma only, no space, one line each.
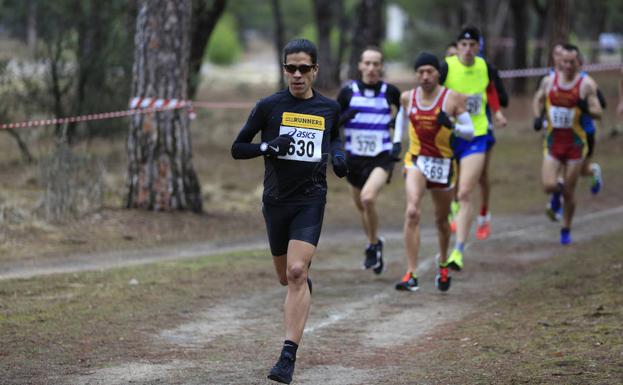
(303,68)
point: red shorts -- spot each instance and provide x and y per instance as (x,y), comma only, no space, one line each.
(564,145)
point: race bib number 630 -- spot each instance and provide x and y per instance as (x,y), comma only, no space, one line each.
(307,132)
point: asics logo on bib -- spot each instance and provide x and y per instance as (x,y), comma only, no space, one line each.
(302,134)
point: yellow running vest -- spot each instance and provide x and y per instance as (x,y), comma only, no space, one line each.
(471,81)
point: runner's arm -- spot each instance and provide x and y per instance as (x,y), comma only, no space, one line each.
(463,125)
(242,148)
(594,107)
(538,102)
(494,77)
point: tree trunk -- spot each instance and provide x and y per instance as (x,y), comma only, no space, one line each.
(520,52)
(344,27)
(369,30)
(205,15)
(279,40)
(160,170)
(597,24)
(31,26)
(541,12)
(23,147)
(558,14)
(324,23)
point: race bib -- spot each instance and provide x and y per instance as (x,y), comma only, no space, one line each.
(473,104)
(366,142)
(561,117)
(307,132)
(434,169)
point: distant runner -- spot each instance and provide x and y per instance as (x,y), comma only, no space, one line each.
(471,75)
(429,162)
(565,95)
(369,107)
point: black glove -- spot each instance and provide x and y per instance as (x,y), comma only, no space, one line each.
(339,165)
(538,123)
(280,145)
(396,151)
(583,106)
(444,120)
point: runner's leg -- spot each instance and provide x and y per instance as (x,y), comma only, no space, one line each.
(415,186)
(356,194)
(471,169)
(297,302)
(369,194)
(572,174)
(441,201)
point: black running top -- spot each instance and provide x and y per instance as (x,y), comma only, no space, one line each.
(300,176)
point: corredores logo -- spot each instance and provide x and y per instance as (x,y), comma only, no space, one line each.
(302,134)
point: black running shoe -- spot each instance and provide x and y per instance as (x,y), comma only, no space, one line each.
(442,280)
(283,369)
(371,258)
(408,283)
(379,255)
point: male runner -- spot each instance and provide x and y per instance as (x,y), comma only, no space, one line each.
(428,161)
(566,95)
(368,117)
(298,129)
(589,168)
(483,221)
(452,49)
(469,74)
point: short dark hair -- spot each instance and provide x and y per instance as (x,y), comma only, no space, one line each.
(573,47)
(372,48)
(301,45)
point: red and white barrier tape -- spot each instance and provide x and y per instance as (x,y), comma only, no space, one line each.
(530,72)
(148,105)
(91,117)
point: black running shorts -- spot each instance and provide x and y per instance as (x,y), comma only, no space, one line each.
(301,222)
(360,167)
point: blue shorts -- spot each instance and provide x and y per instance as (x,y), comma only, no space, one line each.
(463,148)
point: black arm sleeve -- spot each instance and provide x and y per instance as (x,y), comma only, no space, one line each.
(393,98)
(443,72)
(335,144)
(242,147)
(343,99)
(494,75)
(602,99)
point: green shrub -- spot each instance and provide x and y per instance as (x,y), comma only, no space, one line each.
(224,47)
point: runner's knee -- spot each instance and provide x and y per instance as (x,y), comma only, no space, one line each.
(367,200)
(413,215)
(296,273)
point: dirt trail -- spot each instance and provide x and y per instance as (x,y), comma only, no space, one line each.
(360,330)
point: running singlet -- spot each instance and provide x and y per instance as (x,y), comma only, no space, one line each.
(299,176)
(367,134)
(430,147)
(565,138)
(471,81)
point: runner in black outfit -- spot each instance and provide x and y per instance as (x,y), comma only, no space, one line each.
(369,106)
(298,131)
